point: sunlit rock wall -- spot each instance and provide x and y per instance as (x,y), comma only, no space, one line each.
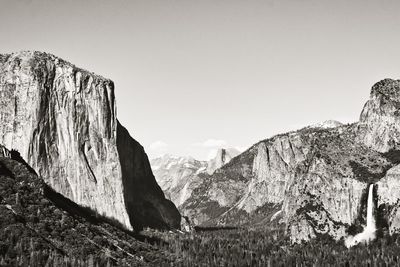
(62,120)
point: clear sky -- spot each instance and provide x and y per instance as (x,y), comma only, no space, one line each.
(194,75)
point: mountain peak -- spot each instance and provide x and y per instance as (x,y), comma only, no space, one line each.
(387,87)
(327,124)
(223,156)
(378,127)
(32,62)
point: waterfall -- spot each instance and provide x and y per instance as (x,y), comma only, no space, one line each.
(370,210)
(368,233)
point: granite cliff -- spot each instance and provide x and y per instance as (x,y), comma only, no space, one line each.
(63,122)
(223,156)
(379,128)
(379,125)
(313,181)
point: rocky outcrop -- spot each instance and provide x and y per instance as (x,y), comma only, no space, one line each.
(318,176)
(379,129)
(274,163)
(379,125)
(62,120)
(389,198)
(224,155)
(321,199)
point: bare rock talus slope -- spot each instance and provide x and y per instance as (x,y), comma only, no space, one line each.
(63,121)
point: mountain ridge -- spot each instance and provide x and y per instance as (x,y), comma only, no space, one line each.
(315,177)
(178,176)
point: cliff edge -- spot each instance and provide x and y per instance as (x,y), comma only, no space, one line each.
(62,120)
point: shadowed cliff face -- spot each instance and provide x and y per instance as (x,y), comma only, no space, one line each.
(144,199)
(62,120)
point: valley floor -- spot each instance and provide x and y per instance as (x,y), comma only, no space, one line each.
(243,247)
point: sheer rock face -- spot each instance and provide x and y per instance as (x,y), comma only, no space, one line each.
(321,199)
(312,174)
(144,198)
(379,129)
(62,120)
(379,126)
(273,165)
(389,195)
(223,157)
(317,176)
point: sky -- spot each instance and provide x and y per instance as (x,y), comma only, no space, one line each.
(192,76)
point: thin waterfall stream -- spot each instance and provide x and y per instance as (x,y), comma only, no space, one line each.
(368,233)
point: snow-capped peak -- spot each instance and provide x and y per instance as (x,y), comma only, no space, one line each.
(327,124)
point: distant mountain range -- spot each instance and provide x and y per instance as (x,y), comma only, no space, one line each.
(178,176)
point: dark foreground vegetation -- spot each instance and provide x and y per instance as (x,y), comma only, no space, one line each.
(39,227)
(243,247)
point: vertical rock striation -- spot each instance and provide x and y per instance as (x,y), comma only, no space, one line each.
(273,165)
(379,129)
(389,197)
(62,120)
(316,176)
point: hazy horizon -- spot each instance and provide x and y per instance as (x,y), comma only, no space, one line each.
(192,76)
